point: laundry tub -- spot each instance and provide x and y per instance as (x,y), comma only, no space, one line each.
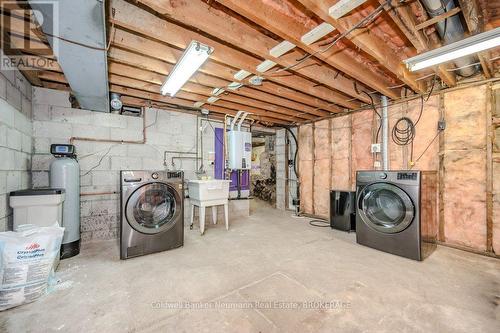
(41,207)
(209,193)
(209,190)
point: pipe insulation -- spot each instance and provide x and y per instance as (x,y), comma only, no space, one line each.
(451,30)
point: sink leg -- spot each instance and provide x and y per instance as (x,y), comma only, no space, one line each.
(202,220)
(214,214)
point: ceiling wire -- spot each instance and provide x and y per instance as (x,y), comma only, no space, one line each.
(365,20)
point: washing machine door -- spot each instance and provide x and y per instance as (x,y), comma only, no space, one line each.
(385,207)
(153,208)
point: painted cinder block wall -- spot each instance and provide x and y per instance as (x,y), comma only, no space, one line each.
(15,139)
(54,121)
(330,152)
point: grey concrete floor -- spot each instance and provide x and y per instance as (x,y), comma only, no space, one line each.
(253,277)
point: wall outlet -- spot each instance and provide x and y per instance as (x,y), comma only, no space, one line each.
(376,148)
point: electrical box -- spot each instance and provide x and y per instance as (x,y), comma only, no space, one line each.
(376,148)
(239,150)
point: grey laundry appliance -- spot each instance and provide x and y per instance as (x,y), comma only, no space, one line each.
(396,211)
(152,212)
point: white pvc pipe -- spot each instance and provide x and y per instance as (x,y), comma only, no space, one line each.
(385,134)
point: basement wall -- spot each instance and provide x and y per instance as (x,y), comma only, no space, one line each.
(54,121)
(332,150)
(286,181)
(15,139)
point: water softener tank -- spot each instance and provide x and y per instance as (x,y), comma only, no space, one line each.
(65,173)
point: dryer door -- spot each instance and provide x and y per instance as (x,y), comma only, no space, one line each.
(153,208)
(385,207)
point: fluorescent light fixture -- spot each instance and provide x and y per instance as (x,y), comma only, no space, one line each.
(218,91)
(343,7)
(234,86)
(241,75)
(265,66)
(281,49)
(317,33)
(212,99)
(193,57)
(474,44)
(198,104)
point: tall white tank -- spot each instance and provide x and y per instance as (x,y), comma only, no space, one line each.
(65,173)
(240,150)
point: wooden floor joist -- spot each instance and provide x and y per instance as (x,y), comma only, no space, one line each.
(133,18)
(304,90)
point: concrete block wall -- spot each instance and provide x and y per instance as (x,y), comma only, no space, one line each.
(15,139)
(54,121)
(281,165)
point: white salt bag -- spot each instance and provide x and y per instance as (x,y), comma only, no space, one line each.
(27,259)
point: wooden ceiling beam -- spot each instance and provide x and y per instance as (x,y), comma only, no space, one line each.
(366,41)
(187,103)
(405,20)
(140,102)
(195,96)
(132,17)
(122,63)
(228,28)
(157,50)
(213,82)
(205,92)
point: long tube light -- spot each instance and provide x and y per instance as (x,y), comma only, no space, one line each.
(474,44)
(191,60)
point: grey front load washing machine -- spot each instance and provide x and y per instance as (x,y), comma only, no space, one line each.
(152,212)
(396,212)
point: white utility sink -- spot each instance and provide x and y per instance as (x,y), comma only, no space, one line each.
(209,190)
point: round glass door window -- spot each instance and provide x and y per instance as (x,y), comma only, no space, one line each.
(386,208)
(152,208)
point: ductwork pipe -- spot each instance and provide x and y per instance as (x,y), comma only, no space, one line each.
(451,30)
(385,134)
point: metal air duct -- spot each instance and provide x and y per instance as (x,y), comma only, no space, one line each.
(451,30)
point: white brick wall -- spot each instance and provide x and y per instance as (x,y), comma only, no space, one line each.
(15,139)
(57,123)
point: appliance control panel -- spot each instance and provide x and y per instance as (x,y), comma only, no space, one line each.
(407,176)
(62,150)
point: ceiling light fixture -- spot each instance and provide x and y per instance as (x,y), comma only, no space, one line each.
(212,99)
(241,75)
(265,66)
(343,7)
(191,60)
(317,33)
(234,86)
(281,48)
(218,91)
(467,46)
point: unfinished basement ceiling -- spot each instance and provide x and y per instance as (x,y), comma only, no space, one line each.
(367,62)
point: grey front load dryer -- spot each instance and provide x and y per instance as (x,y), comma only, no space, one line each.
(395,212)
(152,212)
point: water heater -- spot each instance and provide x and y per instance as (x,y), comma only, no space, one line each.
(65,173)
(239,150)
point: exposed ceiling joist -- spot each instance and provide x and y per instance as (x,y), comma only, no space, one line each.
(368,43)
(228,29)
(159,51)
(406,22)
